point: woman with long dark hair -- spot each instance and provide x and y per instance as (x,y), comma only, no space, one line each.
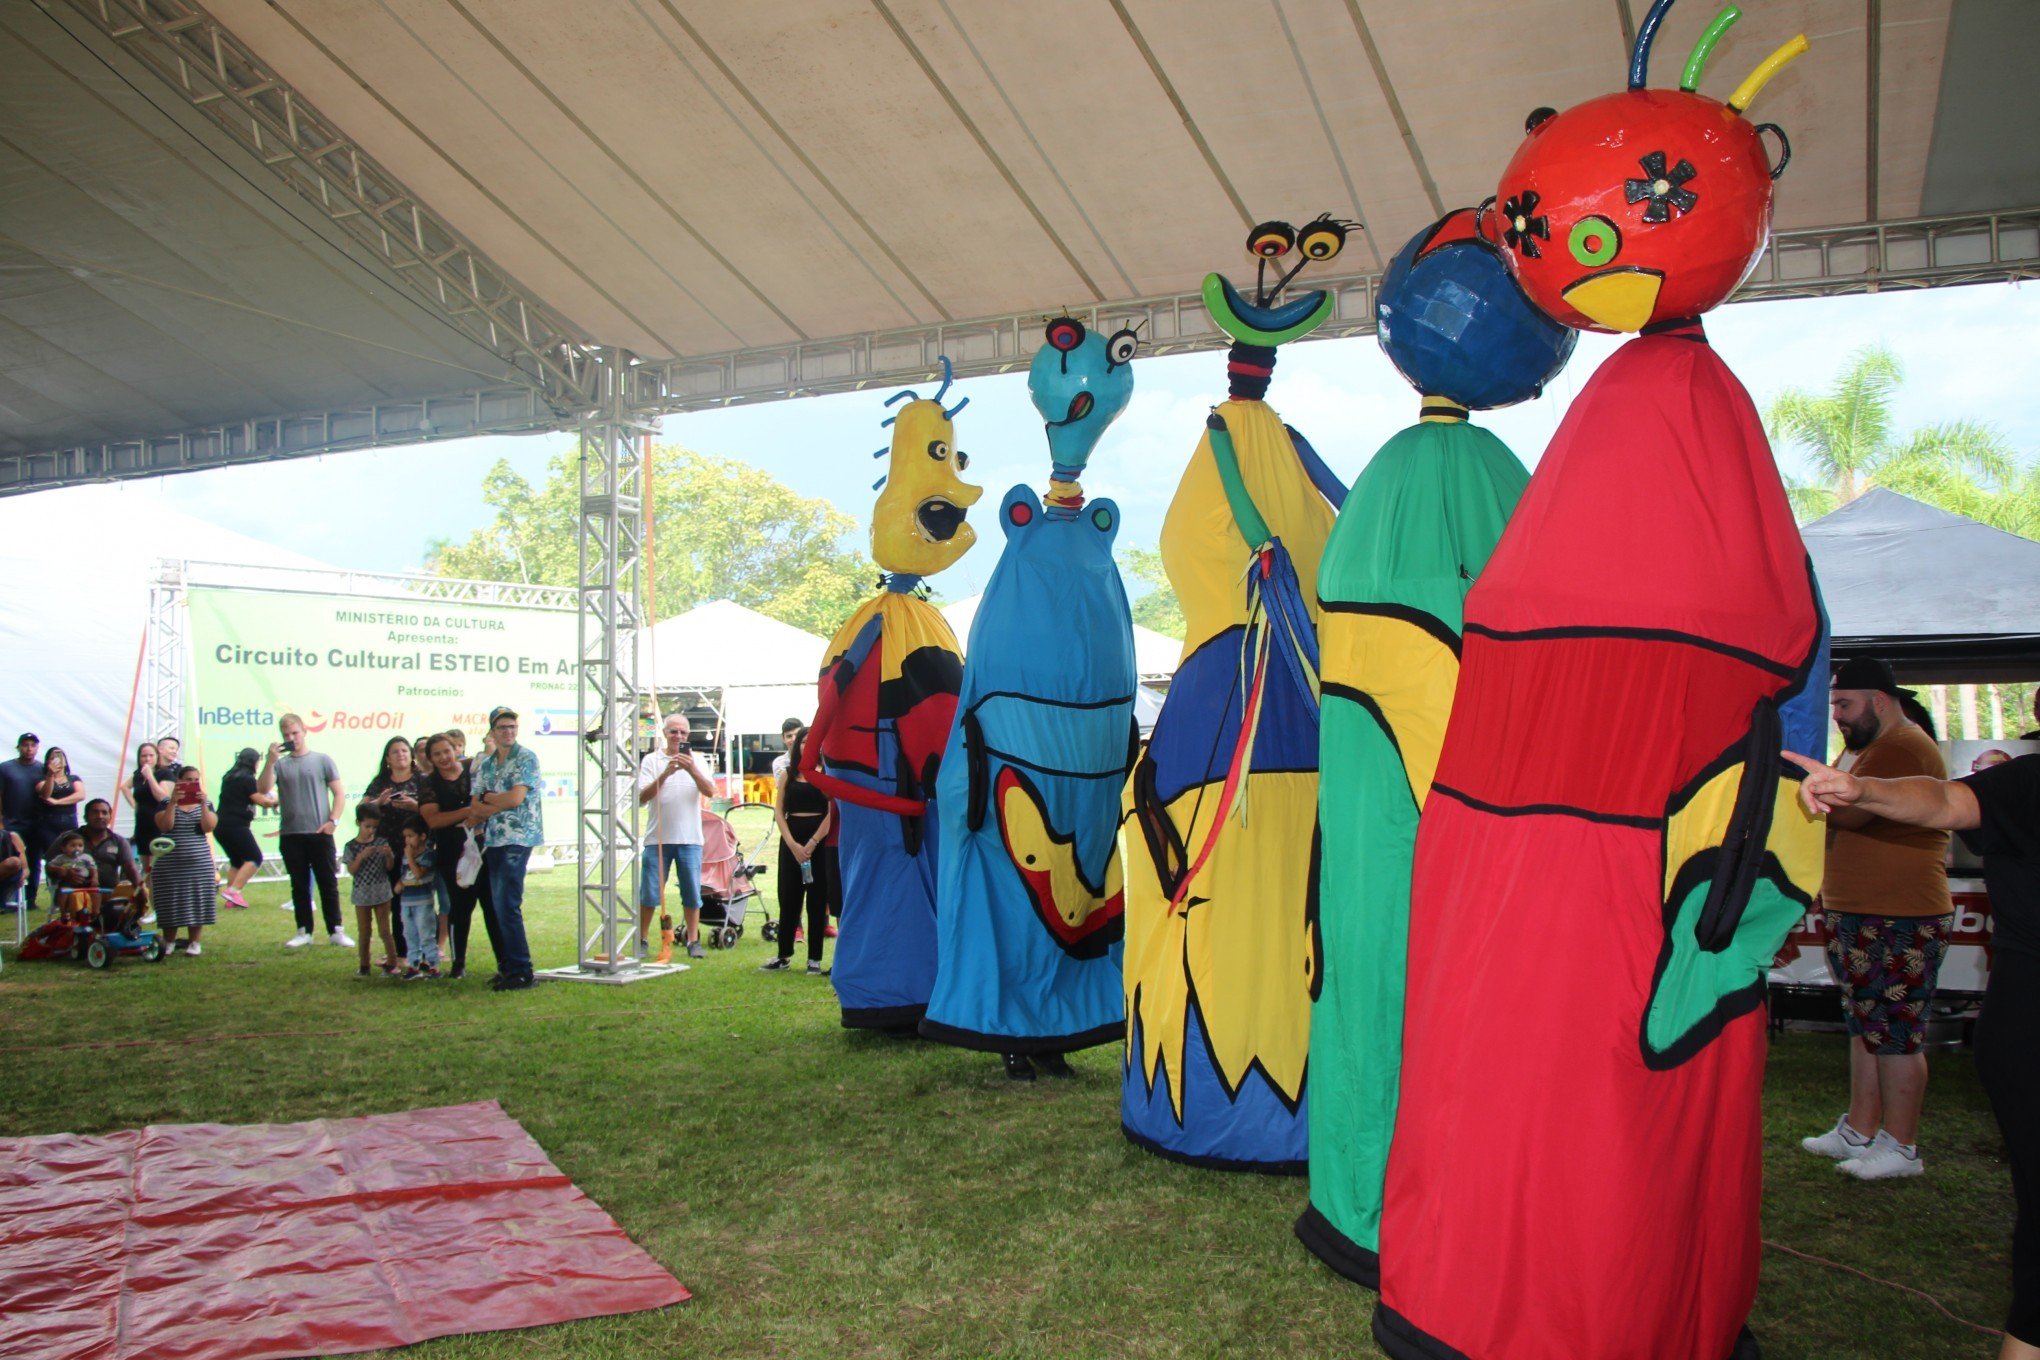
(57,795)
(447,805)
(234,829)
(804,814)
(394,790)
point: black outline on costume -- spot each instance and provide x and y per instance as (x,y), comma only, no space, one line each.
(1027,1044)
(902,1018)
(1782,669)
(1096,942)
(1732,1005)
(1339,1252)
(1549,810)
(1430,624)
(1402,1339)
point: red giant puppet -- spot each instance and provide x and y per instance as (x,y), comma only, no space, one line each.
(1612,852)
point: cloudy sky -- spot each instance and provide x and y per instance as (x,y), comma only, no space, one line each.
(1967,352)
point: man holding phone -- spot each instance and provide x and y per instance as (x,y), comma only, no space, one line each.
(671,785)
(310,798)
(506,805)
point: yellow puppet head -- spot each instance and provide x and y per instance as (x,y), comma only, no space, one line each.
(918,526)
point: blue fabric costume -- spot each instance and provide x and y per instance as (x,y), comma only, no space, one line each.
(1029,907)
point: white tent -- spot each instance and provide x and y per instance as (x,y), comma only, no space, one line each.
(1155,655)
(74,600)
(763,669)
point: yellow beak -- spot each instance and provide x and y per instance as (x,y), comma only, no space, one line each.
(1620,299)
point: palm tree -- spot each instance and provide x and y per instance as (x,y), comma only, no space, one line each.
(1848,439)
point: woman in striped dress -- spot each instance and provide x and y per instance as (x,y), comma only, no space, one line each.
(184,884)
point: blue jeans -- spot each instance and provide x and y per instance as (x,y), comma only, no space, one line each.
(421,927)
(686,862)
(504,865)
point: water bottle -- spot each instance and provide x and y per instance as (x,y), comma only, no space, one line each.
(807,871)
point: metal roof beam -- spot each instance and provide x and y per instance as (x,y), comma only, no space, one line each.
(500,410)
(1811,262)
(215,73)
(1871,257)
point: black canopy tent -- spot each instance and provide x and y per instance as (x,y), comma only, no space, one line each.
(1940,596)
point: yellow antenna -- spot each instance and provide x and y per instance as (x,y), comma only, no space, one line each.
(1768,67)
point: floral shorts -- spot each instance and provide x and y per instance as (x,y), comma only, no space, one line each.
(1887,967)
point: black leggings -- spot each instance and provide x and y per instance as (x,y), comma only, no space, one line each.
(2006,1038)
(795,894)
(461,917)
(308,857)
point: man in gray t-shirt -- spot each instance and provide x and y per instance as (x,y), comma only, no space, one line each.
(310,798)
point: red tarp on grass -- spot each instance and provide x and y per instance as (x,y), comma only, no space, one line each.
(231,1242)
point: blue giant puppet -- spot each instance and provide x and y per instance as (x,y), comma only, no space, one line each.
(1221,917)
(1414,533)
(1029,905)
(888,697)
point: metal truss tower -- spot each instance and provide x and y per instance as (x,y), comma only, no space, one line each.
(161,710)
(611,586)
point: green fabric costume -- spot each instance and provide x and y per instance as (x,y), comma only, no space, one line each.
(1415,532)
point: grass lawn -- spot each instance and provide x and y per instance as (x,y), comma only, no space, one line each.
(836,1194)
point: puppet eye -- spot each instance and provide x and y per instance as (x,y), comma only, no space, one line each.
(1271,240)
(1020,512)
(1065,333)
(962,460)
(1594,241)
(1102,518)
(938,449)
(1322,239)
(1121,347)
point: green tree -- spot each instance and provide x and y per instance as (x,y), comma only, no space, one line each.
(1848,438)
(1157,608)
(721,529)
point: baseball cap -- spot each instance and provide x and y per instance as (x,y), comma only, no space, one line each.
(1867,672)
(28,736)
(500,712)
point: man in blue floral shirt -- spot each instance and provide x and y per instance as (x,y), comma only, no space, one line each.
(506,792)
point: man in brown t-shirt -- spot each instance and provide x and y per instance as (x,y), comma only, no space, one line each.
(1888,919)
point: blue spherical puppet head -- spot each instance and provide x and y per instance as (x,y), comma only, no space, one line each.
(1455,324)
(1080,382)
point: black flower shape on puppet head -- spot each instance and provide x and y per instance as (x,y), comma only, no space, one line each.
(1525,228)
(1664,189)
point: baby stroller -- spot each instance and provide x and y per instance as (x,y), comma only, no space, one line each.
(727,883)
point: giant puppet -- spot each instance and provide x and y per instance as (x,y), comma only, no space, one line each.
(1612,850)
(888,696)
(1416,530)
(1029,906)
(1221,921)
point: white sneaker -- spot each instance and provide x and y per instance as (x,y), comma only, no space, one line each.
(1840,1142)
(172,947)
(1885,1159)
(299,940)
(148,920)
(341,938)
(193,949)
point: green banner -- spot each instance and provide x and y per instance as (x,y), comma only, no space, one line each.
(360,671)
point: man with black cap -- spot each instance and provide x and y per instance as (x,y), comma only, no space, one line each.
(1885,893)
(21,809)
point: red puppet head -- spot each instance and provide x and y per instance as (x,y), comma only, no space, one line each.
(1642,206)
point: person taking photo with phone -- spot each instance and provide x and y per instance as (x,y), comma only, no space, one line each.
(309,798)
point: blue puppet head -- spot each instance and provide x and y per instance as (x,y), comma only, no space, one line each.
(1455,324)
(1080,382)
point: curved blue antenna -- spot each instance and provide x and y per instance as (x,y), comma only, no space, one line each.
(877,484)
(1646,34)
(950,414)
(904,394)
(880,453)
(947,375)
